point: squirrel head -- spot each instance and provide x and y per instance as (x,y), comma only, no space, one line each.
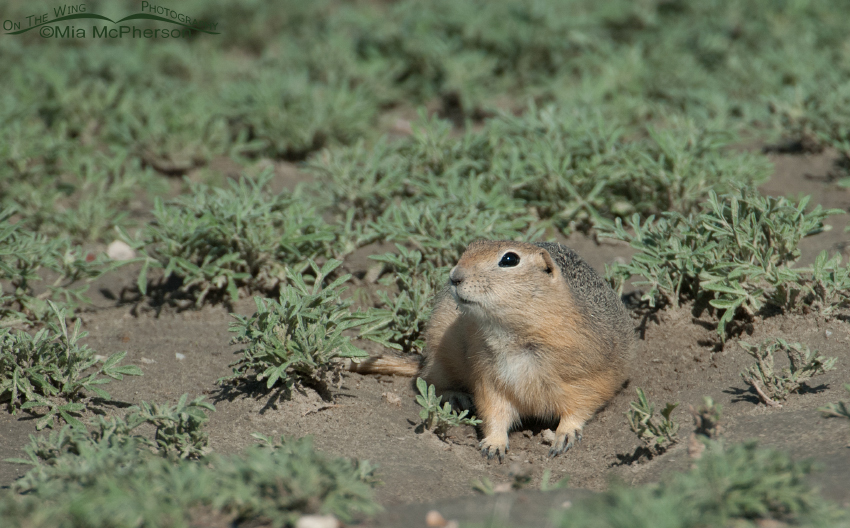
(505,281)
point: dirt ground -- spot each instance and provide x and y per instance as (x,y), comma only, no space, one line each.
(679,360)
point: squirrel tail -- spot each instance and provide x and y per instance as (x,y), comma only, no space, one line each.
(385,365)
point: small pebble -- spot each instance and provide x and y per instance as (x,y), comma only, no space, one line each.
(147,361)
(434,520)
(118,250)
(100,357)
(318,521)
(179,356)
(548,436)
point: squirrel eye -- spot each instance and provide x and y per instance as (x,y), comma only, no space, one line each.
(509,260)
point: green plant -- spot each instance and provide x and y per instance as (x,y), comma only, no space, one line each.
(773,385)
(454,213)
(736,255)
(575,166)
(360,179)
(293,115)
(439,418)
(313,482)
(298,337)
(178,427)
(840,409)
(707,418)
(25,258)
(108,478)
(817,117)
(220,240)
(416,280)
(84,197)
(565,166)
(728,485)
(484,486)
(51,370)
(178,436)
(520,479)
(837,410)
(656,434)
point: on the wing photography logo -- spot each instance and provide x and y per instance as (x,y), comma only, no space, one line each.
(61,26)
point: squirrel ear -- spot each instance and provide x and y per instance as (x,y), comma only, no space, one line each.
(551,267)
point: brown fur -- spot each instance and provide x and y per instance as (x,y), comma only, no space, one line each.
(385,365)
(547,338)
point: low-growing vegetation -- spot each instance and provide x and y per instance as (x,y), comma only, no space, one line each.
(742,483)
(110,477)
(837,410)
(62,188)
(566,166)
(773,385)
(818,119)
(417,280)
(217,241)
(178,427)
(437,418)
(736,255)
(840,409)
(657,434)
(178,435)
(27,260)
(297,338)
(53,371)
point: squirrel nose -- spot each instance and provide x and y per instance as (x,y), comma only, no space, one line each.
(456,276)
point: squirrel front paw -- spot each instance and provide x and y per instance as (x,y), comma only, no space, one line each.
(494,448)
(563,442)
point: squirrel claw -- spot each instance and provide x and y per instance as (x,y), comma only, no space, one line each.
(563,443)
(490,451)
(553,452)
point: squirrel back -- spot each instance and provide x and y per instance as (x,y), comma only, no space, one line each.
(596,300)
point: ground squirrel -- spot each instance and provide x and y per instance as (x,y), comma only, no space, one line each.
(526,330)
